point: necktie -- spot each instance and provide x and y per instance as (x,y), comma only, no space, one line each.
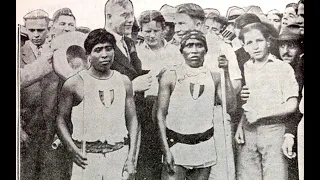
(39,50)
(125,48)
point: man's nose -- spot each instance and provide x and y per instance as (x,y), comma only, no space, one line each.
(36,34)
(152,34)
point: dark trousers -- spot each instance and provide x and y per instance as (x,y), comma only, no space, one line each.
(149,164)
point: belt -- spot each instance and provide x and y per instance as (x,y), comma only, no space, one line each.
(101,147)
(174,137)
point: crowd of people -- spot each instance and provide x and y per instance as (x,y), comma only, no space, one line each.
(178,93)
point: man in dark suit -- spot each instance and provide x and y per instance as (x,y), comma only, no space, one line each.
(119,19)
(31,119)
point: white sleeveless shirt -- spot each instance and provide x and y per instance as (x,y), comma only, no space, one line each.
(191,102)
(101,114)
(191,111)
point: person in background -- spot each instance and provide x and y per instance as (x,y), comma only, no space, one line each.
(57,163)
(289,14)
(214,23)
(63,21)
(275,17)
(168,12)
(300,14)
(290,43)
(32,122)
(150,52)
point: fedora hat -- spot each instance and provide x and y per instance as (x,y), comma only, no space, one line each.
(211,10)
(234,12)
(168,12)
(290,32)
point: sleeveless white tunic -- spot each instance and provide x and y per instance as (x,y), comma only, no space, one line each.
(101,114)
(191,111)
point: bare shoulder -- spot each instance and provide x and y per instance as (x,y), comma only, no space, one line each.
(126,81)
(73,84)
(168,76)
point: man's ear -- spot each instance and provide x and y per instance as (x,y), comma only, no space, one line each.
(269,42)
(198,25)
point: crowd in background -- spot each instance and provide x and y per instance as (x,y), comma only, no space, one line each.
(261,138)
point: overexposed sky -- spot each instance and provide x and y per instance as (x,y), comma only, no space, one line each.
(89,13)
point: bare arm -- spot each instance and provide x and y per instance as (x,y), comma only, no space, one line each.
(133,127)
(70,93)
(166,86)
(132,122)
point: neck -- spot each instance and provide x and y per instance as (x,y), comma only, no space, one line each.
(100,74)
(262,60)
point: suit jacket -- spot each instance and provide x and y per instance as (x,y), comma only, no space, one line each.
(131,69)
(121,63)
(30,97)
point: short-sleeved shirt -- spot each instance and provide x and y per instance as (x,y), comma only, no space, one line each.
(270,85)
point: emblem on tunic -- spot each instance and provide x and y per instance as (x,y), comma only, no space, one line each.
(106,97)
(196,90)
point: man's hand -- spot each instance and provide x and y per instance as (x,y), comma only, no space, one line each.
(244,93)
(129,170)
(287,147)
(168,162)
(142,83)
(239,136)
(223,62)
(78,158)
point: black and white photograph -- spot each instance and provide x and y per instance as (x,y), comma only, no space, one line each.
(160,90)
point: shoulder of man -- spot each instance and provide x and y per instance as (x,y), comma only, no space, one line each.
(26,54)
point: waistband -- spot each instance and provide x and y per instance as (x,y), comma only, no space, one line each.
(101,147)
(174,137)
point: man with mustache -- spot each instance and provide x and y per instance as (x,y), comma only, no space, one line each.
(290,43)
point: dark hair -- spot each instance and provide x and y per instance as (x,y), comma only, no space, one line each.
(192,10)
(294,5)
(217,18)
(98,36)
(266,32)
(301,1)
(245,19)
(151,15)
